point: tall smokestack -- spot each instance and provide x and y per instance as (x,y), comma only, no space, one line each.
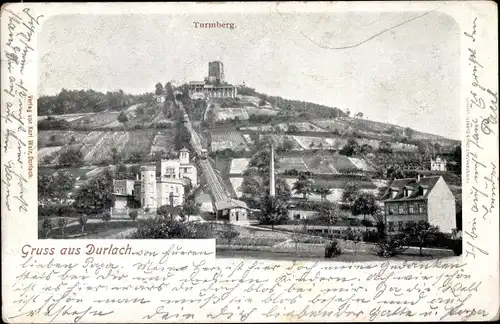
(272,185)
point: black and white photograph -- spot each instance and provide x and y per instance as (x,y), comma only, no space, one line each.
(283,136)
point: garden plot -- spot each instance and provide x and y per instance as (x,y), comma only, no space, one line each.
(59,138)
(238,166)
(261,128)
(309,142)
(67,117)
(90,141)
(320,165)
(162,142)
(139,143)
(96,120)
(230,113)
(47,152)
(403,147)
(66,148)
(293,163)
(361,164)
(301,127)
(102,151)
(228,140)
(261,111)
(236,183)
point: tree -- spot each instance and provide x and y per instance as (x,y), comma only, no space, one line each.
(191,207)
(329,212)
(384,147)
(55,187)
(62,222)
(359,115)
(262,102)
(350,193)
(303,186)
(159,89)
(97,195)
(70,157)
(46,227)
(293,129)
(106,217)
(228,232)
(261,160)
(409,132)
(133,215)
(123,118)
(364,204)
(83,221)
(273,211)
(168,211)
(421,233)
(169,92)
(351,148)
(251,186)
(282,189)
(288,145)
(323,190)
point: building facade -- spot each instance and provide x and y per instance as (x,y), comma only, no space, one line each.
(149,191)
(412,200)
(214,86)
(439,164)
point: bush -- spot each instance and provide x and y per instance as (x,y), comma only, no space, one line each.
(367,223)
(46,227)
(332,249)
(133,215)
(161,228)
(227,232)
(456,246)
(392,246)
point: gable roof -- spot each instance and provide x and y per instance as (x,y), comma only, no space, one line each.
(230,203)
(416,187)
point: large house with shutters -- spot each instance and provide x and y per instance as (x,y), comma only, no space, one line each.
(153,189)
(419,199)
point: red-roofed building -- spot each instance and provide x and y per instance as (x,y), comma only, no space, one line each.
(419,199)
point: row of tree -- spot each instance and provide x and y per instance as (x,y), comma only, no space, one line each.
(81,101)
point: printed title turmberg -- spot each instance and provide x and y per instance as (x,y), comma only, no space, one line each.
(214,25)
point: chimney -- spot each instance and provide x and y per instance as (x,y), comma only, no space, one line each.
(272,189)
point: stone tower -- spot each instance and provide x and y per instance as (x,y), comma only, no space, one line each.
(148,184)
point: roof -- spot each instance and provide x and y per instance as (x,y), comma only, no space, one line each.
(229,204)
(414,185)
(197,82)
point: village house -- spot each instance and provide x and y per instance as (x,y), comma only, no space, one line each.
(439,164)
(411,200)
(231,210)
(151,191)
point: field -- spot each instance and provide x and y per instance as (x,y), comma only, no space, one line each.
(96,120)
(59,138)
(238,166)
(163,141)
(309,142)
(139,143)
(227,140)
(361,164)
(67,117)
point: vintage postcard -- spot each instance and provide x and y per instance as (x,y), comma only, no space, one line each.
(249,162)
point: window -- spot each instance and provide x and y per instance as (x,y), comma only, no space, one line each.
(392,209)
(421,207)
(390,225)
(401,226)
(177,190)
(402,208)
(412,208)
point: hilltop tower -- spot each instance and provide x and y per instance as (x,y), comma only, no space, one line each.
(216,72)
(272,184)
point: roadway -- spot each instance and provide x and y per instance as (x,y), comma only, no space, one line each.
(217,189)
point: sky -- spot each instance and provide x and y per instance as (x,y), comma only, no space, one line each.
(408,76)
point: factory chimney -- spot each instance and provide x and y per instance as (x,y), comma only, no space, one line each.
(272,185)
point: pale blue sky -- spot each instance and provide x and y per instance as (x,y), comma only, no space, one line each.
(408,76)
